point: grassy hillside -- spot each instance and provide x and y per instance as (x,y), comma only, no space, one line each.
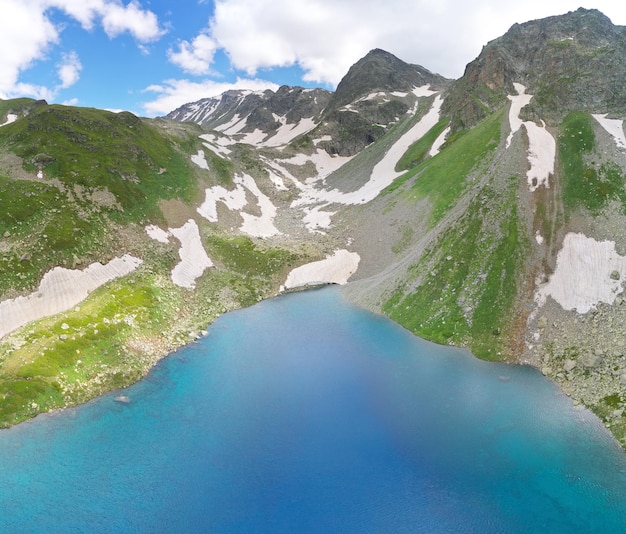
(587,182)
(96,149)
(443,178)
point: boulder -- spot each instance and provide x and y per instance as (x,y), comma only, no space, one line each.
(569,365)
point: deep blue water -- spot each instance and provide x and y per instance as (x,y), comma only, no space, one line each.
(305,414)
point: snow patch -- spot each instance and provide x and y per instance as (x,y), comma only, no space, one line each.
(217,144)
(60,290)
(234,200)
(277,180)
(541,155)
(383,173)
(542,146)
(288,132)
(193,257)
(315,219)
(158,234)
(10,118)
(587,272)
(423,90)
(615,127)
(517,103)
(335,269)
(441,139)
(200,160)
(539,238)
(263,225)
(233,126)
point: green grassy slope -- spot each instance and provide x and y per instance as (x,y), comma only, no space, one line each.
(98,149)
(587,183)
(462,288)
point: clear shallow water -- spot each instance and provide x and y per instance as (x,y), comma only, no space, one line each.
(304,414)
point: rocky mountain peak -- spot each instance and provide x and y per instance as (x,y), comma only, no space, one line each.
(382,71)
(571,61)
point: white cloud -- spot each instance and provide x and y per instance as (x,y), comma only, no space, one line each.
(69,70)
(27,34)
(115,17)
(143,25)
(325,37)
(172,94)
(195,57)
(38,92)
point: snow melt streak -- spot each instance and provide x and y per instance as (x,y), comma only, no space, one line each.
(542,146)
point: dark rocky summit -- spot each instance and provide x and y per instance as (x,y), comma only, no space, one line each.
(569,62)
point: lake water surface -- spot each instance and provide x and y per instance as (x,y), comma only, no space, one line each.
(305,414)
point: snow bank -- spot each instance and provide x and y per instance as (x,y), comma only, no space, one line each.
(60,290)
(587,272)
(335,269)
(615,127)
(193,257)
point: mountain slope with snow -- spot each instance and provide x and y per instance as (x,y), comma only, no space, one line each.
(486,212)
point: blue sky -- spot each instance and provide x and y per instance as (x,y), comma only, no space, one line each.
(150,56)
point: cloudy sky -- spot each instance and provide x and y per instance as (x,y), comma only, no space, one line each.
(150,56)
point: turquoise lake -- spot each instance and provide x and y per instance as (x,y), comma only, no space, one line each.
(306,414)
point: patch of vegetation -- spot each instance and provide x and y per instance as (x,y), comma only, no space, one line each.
(444,178)
(73,356)
(40,228)
(221,167)
(463,288)
(96,148)
(405,239)
(14,105)
(584,185)
(241,255)
(605,409)
(303,143)
(418,151)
